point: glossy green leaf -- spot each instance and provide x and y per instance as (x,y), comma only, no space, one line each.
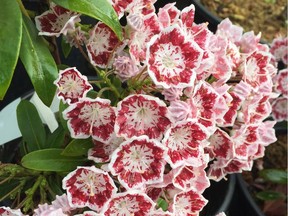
(56,139)
(99,9)
(31,126)
(51,160)
(270,195)
(78,147)
(38,62)
(274,175)
(10,40)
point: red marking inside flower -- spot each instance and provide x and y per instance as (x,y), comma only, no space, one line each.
(188,203)
(172,60)
(184,144)
(89,186)
(221,145)
(130,203)
(141,115)
(137,162)
(55,21)
(89,117)
(101,44)
(188,178)
(280,109)
(72,85)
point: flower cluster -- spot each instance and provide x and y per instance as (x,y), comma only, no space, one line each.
(191,107)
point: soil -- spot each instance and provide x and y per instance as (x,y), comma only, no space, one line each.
(266,16)
(275,157)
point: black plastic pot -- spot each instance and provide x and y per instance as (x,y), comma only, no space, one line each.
(220,195)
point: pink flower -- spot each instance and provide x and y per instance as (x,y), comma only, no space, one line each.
(91,117)
(228,30)
(281,82)
(61,202)
(141,115)
(89,186)
(184,142)
(56,21)
(125,68)
(172,94)
(280,109)
(72,85)
(188,203)
(131,202)
(172,60)
(101,44)
(279,48)
(179,110)
(137,162)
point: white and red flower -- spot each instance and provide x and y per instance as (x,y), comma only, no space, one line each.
(132,202)
(138,161)
(188,203)
(280,109)
(185,144)
(101,44)
(279,49)
(91,117)
(281,82)
(72,85)
(141,115)
(221,145)
(191,178)
(172,59)
(56,21)
(90,187)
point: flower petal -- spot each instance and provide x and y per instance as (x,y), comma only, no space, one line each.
(89,186)
(141,115)
(90,117)
(138,161)
(72,85)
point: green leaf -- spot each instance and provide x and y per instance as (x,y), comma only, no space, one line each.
(31,126)
(99,9)
(51,160)
(38,62)
(56,139)
(78,147)
(270,195)
(10,40)
(274,175)
(161,203)
(66,48)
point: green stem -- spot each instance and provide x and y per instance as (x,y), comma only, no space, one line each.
(107,81)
